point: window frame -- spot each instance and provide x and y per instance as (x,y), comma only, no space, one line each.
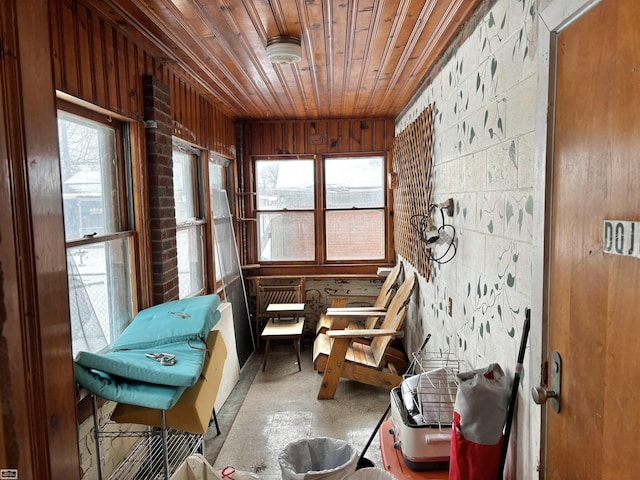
(320,264)
(384,208)
(200,222)
(216,275)
(127,202)
(266,211)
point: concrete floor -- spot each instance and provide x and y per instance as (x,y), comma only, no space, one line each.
(268,410)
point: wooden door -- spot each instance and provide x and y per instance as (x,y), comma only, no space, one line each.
(594,297)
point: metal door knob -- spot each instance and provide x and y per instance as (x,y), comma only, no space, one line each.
(541,395)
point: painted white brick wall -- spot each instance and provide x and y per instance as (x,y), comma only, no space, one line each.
(484,129)
(113,449)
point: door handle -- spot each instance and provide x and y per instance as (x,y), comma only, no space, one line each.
(541,395)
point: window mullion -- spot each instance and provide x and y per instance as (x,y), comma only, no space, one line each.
(321,250)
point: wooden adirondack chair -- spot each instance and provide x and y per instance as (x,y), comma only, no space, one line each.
(380,305)
(351,318)
(340,355)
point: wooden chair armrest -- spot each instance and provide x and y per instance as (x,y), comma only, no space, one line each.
(342,301)
(355,313)
(356,309)
(376,332)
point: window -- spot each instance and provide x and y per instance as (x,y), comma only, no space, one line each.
(340,217)
(189,222)
(221,218)
(98,232)
(286,214)
(355,208)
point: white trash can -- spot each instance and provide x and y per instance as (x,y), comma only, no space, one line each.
(321,458)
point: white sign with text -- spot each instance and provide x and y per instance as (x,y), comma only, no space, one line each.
(621,238)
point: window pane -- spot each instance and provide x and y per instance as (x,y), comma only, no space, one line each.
(89,166)
(286,236)
(226,256)
(227,260)
(190,265)
(354,182)
(285,184)
(99,293)
(217,176)
(216,186)
(355,235)
(183,186)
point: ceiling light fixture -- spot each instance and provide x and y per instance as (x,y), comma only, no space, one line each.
(284,49)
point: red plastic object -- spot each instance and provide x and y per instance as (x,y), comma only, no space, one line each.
(470,460)
(394,463)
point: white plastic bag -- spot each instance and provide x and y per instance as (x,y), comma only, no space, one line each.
(372,473)
(230,473)
(482,402)
(195,467)
(318,458)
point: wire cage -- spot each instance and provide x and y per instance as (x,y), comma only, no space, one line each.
(155,453)
(433,388)
(154,457)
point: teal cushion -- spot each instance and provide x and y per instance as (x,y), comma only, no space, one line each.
(142,394)
(171,322)
(135,365)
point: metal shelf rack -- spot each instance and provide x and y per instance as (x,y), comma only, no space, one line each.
(436,389)
(158,454)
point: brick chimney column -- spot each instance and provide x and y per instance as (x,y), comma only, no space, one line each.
(158,127)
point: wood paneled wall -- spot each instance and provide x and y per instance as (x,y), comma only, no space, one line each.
(196,120)
(98,61)
(39,437)
(308,137)
(319,136)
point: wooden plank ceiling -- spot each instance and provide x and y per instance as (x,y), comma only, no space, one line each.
(360,58)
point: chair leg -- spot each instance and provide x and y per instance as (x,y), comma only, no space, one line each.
(267,346)
(214,419)
(296,345)
(333,369)
(257,332)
